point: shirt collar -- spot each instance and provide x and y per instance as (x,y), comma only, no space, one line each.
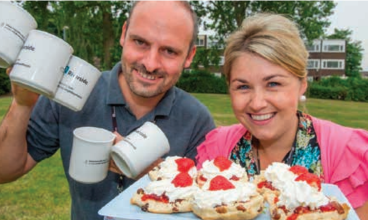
(115,96)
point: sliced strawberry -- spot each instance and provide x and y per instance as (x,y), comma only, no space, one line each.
(235,178)
(222,163)
(297,170)
(311,179)
(162,198)
(302,210)
(220,183)
(202,178)
(266,184)
(184,164)
(182,180)
(328,208)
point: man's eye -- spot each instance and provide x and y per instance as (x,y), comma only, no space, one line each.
(170,52)
(139,42)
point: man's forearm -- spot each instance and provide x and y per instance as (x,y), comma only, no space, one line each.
(13,145)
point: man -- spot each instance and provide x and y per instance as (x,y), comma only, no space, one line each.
(158,42)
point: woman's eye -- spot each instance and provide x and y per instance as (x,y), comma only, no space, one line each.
(273,84)
(242,87)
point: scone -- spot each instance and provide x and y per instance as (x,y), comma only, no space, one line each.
(166,195)
(221,198)
(221,166)
(171,167)
(295,194)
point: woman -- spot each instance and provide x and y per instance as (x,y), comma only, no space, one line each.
(265,68)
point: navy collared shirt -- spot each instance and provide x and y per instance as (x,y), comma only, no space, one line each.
(183,119)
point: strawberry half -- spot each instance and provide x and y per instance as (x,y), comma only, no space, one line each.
(222,163)
(184,164)
(220,183)
(297,170)
(311,179)
(182,180)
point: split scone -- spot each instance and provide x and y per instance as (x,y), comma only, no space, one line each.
(167,195)
(221,198)
(171,167)
(221,166)
(295,194)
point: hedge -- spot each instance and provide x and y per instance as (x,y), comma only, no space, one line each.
(351,89)
(4,82)
(202,81)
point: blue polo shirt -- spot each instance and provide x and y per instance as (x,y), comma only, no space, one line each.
(183,119)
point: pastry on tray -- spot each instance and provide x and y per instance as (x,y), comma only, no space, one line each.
(221,198)
(172,166)
(221,166)
(167,195)
(295,194)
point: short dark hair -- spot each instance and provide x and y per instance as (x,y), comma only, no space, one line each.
(188,7)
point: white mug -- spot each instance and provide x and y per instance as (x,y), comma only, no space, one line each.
(41,63)
(79,79)
(140,149)
(15,24)
(90,157)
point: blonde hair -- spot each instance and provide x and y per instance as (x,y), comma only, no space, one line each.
(272,37)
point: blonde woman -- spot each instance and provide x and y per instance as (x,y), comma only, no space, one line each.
(265,68)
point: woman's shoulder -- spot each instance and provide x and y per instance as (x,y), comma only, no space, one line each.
(226,131)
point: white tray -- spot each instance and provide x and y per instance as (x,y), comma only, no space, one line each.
(120,207)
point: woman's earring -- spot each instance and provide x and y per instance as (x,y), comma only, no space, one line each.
(303,98)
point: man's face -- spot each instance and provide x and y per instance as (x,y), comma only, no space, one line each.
(155,47)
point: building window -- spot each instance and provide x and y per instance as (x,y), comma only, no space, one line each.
(200,40)
(333,64)
(222,61)
(313,48)
(313,64)
(333,46)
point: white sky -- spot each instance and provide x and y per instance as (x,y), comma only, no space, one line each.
(353,15)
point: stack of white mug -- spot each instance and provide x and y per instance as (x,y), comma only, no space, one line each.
(42,62)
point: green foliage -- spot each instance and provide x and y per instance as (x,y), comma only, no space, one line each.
(4,82)
(322,92)
(92,28)
(227,16)
(351,89)
(202,81)
(354,51)
(206,57)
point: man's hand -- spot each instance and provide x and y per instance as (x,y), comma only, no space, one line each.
(23,97)
(115,169)
(112,165)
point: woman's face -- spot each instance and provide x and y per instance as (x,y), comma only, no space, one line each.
(265,97)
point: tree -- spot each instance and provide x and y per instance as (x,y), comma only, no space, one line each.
(354,51)
(227,16)
(92,28)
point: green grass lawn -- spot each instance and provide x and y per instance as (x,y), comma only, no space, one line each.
(43,192)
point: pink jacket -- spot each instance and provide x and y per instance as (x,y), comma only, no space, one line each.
(344,155)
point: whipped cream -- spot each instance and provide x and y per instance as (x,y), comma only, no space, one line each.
(293,193)
(278,174)
(209,199)
(210,170)
(169,168)
(172,192)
